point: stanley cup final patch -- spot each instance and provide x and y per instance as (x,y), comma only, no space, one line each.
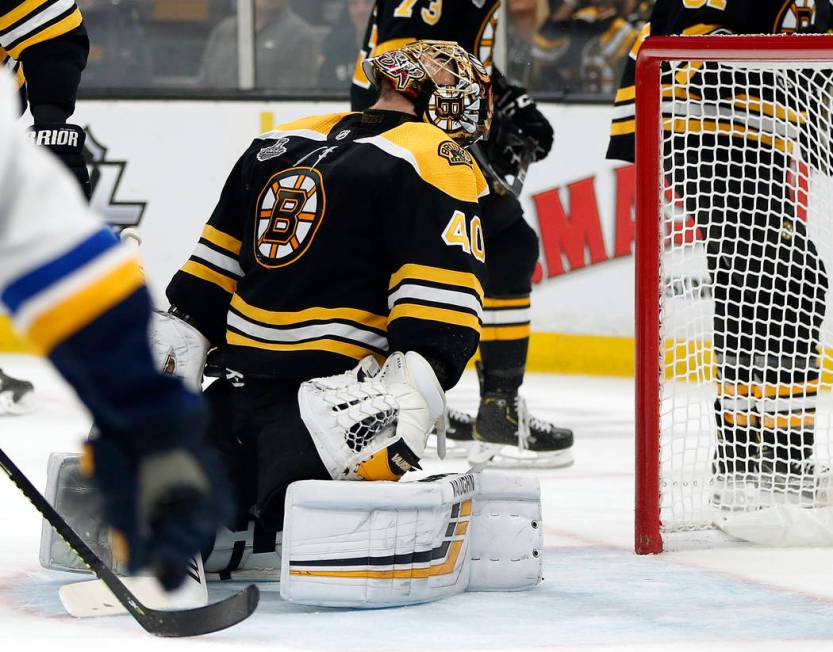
(290,209)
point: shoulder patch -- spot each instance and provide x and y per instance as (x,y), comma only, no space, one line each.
(454,153)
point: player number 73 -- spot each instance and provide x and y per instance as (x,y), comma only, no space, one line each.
(430,14)
(455,234)
(720,5)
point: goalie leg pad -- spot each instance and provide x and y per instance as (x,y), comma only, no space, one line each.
(376,544)
(387,544)
(507,534)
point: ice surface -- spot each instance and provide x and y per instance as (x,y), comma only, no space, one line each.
(597,594)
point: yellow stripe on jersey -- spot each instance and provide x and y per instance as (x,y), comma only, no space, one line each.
(622,128)
(504,333)
(756,105)
(431,313)
(436,275)
(809,388)
(626,94)
(222,240)
(802,420)
(697,125)
(21,80)
(274,318)
(20,11)
(322,124)
(77,311)
(518,302)
(332,346)
(422,141)
(61,27)
(644,33)
(207,274)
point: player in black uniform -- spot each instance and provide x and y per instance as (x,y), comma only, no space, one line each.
(769,283)
(314,261)
(520,132)
(44,45)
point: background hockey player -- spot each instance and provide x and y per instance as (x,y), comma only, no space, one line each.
(769,284)
(338,239)
(79,297)
(520,131)
(45,46)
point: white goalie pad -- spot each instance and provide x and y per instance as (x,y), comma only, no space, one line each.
(382,544)
(179,349)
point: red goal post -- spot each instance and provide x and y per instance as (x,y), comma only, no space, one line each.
(649,238)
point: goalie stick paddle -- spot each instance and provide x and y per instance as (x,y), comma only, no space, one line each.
(191,622)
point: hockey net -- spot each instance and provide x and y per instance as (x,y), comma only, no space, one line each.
(734,249)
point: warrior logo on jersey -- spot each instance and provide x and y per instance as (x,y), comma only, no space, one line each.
(795,15)
(398,67)
(290,209)
(454,153)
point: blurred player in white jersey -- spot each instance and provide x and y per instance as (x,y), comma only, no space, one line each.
(79,297)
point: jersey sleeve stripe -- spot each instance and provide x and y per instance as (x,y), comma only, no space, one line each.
(223,240)
(450,298)
(504,333)
(431,313)
(202,253)
(56,269)
(76,312)
(273,318)
(412,271)
(214,277)
(329,345)
(20,12)
(62,25)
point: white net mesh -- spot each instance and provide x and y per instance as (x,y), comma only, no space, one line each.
(747,212)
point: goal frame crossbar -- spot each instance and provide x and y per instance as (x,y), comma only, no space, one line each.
(648,249)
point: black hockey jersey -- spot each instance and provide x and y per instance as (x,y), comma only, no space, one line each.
(337,237)
(394,23)
(44,45)
(699,17)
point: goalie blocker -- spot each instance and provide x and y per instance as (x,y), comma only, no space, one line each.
(374,544)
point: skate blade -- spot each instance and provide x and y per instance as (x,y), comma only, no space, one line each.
(511,457)
(10,407)
(454,450)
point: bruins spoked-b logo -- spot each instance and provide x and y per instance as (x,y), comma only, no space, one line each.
(290,209)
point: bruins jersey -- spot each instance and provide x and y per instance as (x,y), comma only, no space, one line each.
(700,17)
(338,237)
(44,45)
(394,23)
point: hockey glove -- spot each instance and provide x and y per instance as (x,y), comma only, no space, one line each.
(66,141)
(373,425)
(515,104)
(164,495)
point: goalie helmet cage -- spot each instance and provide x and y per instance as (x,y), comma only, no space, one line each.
(676,383)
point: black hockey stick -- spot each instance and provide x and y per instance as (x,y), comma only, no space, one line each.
(191,622)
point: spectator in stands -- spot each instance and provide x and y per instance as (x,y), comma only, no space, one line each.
(119,55)
(342,45)
(287,50)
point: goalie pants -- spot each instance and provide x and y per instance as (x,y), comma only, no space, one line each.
(257,428)
(511,254)
(769,290)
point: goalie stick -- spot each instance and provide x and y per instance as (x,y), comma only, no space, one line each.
(192,622)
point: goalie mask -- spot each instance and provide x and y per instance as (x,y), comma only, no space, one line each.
(450,88)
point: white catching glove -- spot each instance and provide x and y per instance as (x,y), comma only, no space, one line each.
(179,349)
(373,424)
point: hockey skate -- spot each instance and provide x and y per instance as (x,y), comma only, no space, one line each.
(507,436)
(16,396)
(799,482)
(735,492)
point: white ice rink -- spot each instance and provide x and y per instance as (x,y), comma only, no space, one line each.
(597,595)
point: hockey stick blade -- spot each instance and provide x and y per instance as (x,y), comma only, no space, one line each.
(191,622)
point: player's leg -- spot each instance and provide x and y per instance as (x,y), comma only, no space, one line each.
(502,421)
(16,396)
